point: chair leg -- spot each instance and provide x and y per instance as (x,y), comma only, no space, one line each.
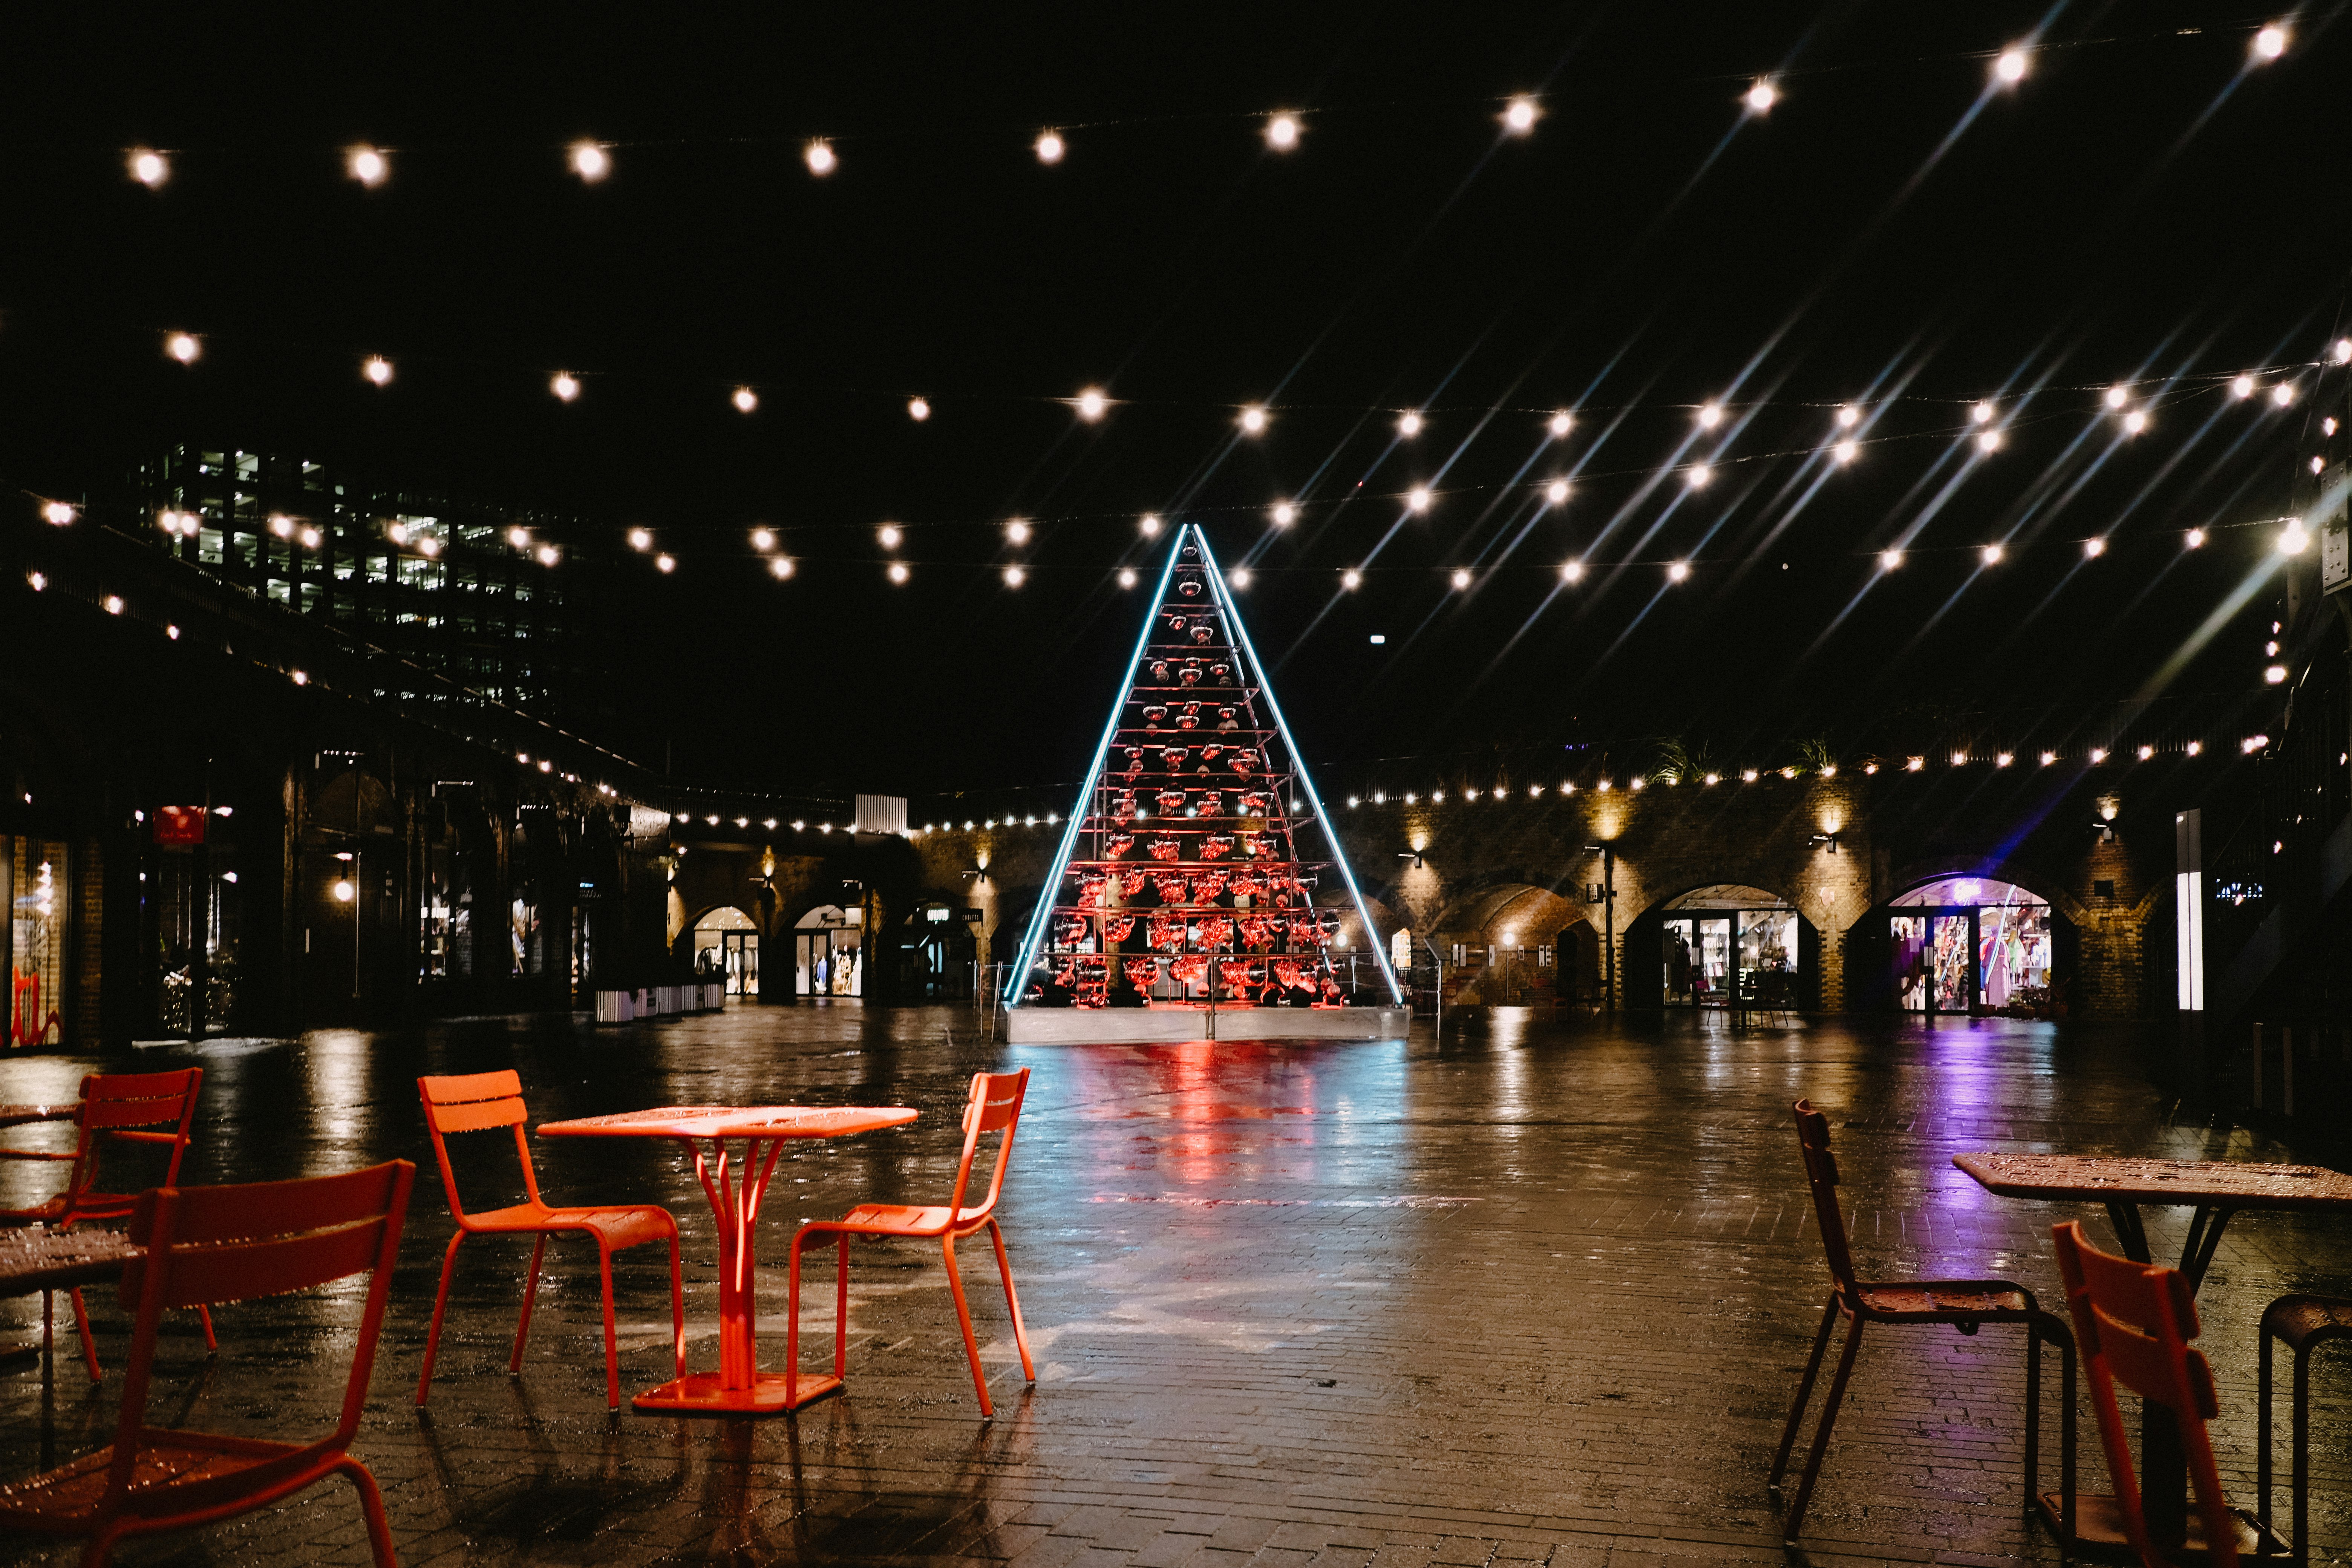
(81,1325)
(612,1340)
(1822,1434)
(1804,1393)
(440,1304)
(2302,1465)
(841,1312)
(204,1316)
(372,1506)
(677,1305)
(2262,1426)
(1020,1332)
(964,1316)
(530,1294)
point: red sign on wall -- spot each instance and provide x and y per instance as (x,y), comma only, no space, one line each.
(179,826)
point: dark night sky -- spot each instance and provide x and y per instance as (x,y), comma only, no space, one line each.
(2142,207)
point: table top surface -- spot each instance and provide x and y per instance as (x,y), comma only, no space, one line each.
(18,1115)
(2108,1178)
(36,1257)
(735,1121)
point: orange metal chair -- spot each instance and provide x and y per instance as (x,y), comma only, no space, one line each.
(2134,1323)
(478,1102)
(116,1109)
(226,1244)
(995,1104)
(1966,1304)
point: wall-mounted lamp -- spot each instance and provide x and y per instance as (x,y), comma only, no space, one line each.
(2105,830)
(1411,855)
(1829,838)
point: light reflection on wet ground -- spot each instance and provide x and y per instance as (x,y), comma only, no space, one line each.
(1539,1285)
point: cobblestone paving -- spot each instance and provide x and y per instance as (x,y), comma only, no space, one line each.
(1533,1292)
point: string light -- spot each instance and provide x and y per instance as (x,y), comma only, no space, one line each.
(1561,423)
(1092,404)
(1015,576)
(1709,416)
(547,555)
(59,512)
(519,538)
(368,165)
(640,539)
(1762,97)
(1050,148)
(1351,579)
(2095,548)
(781,567)
(2242,388)
(566,386)
(1571,571)
(1253,419)
(2011,66)
(1988,441)
(1127,577)
(1992,554)
(1556,492)
(310,539)
(763,540)
(745,400)
(2136,421)
(2117,398)
(1408,423)
(1461,577)
(1519,116)
(818,156)
(1848,417)
(1846,452)
(665,563)
(2098,754)
(1888,560)
(1697,476)
(397,532)
(918,409)
(1417,499)
(1982,413)
(183,347)
(1282,133)
(1240,576)
(2145,753)
(1285,514)
(2342,352)
(377,370)
(2270,43)
(1017,530)
(897,572)
(281,525)
(2275,674)
(149,167)
(2292,539)
(2196,538)
(1149,523)
(889,534)
(428,547)
(2283,394)
(590,161)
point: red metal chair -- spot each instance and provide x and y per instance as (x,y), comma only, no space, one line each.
(994,1103)
(116,1109)
(1966,1304)
(228,1244)
(2134,1323)
(482,1101)
(2303,1324)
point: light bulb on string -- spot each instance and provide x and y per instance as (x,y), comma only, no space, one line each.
(2340,351)
(1993,555)
(428,547)
(1709,416)
(519,538)
(2292,539)
(310,538)
(2134,422)
(919,409)
(1888,560)
(566,386)
(745,400)
(1848,417)
(547,555)
(1560,424)
(183,347)
(1981,414)
(281,525)
(1679,572)
(781,567)
(1049,147)
(2283,394)
(1698,475)
(1253,419)
(1351,579)
(1127,578)
(1763,96)
(1149,523)
(377,370)
(1240,576)
(368,165)
(889,534)
(818,156)
(2010,65)
(1988,441)
(1285,514)
(1282,133)
(149,167)
(897,572)
(59,513)
(1417,499)
(665,562)
(1461,578)
(2270,43)
(1556,492)
(590,161)
(640,539)
(2094,548)
(397,532)
(763,540)
(1520,115)
(1017,530)
(1847,450)
(1408,423)
(1571,571)
(1091,404)
(2195,539)
(2244,388)
(1015,576)
(2117,398)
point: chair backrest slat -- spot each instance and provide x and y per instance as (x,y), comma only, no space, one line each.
(1822,1177)
(993,1104)
(114,1107)
(475,1103)
(241,1270)
(478,1116)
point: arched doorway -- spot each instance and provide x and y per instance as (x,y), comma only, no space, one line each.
(1974,945)
(1500,945)
(727,943)
(826,951)
(1730,945)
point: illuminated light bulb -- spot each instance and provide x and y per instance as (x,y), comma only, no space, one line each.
(1519,116)
(1127,577)
(566,386)
(377,371)
(1828,770)
(1697,477)
(897,572)
(2048,758)
(1846,452)
(183,347)
(1992,554)
(1888,560)
(310,537)
(1417,497)
(1914,765)
(1253,419)
(2292,539)
(2004,759)
(2094,547)
(745,400)
(1848,417)
(1241,578)
(1749,775)
(918,409)
(1762,97)
(1709,416)
(1981,413)
(763,539)
(1461,578)
(548,555)
(2283,394)
(2243,387)
(1285,514)
(343,890)
(1092,404)
(2194,747)
(1988,441)
(2275,674)
(1556,491)
(2117,398)
(1149,523)
(2196,538)
(665,562)
(781,567)
(281,525)
(1017,532)
(590,161)
(1015,576)
(173,633)
(1561,423)
(59,512)
(1960,759)
(113,603)
(2342,351)
(818,156)
(640,539)
(1352,578)
(368,166)
(2145,753)
(1050,148)
(428,547)
(398,533)
(519,538)
(1282,133)
(2011,66)
(1712,778)
(150,168)
(2328,426)
(2136,421)
(889,535)
(1408,423)
(1571,571)
(2270,43)
(1679,572)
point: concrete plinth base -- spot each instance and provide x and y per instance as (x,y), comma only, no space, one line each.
(1163,1026)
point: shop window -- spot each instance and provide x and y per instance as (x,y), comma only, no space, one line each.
(40,900)
(1972,944)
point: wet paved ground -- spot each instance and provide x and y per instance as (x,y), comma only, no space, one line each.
(1534,1293)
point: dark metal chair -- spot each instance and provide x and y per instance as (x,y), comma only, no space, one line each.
(1966,1304)
(2303,1324)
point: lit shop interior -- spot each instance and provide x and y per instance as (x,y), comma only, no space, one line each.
(1970,944)
(1728,945)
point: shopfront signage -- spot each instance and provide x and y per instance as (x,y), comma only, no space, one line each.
(179,826)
